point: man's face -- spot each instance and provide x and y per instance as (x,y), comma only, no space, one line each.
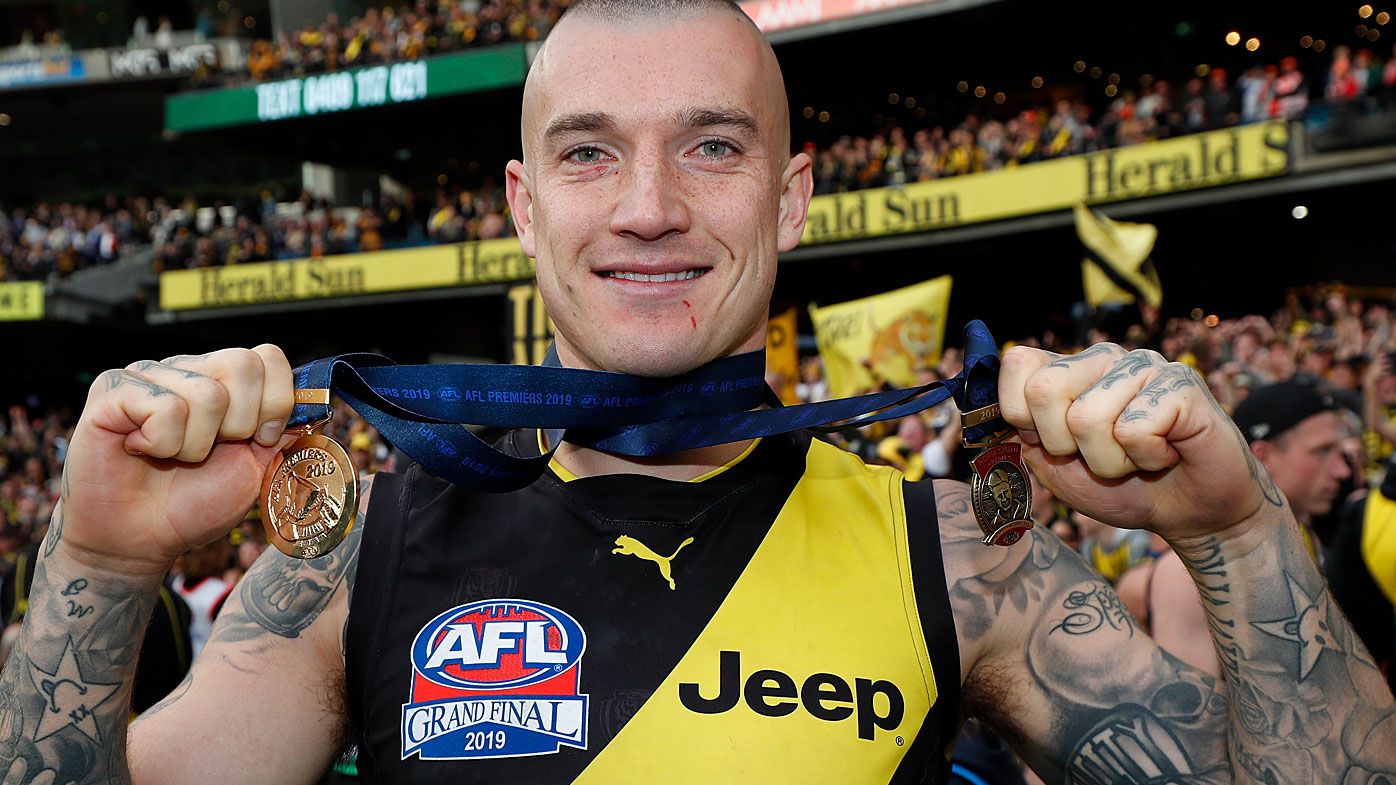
(1307,463)
(658,190)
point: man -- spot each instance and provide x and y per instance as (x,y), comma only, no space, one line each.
(825,620)
(1294,432)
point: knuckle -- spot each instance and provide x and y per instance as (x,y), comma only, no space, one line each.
(210,393)
(1039,389)
(1080,418)
(1017,355)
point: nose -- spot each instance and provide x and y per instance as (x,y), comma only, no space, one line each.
(652,204)
(1339,465)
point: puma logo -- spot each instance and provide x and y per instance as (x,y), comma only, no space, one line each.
(630,546)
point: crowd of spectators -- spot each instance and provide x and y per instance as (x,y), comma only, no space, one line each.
(404,32)
(1327,336)
(54,240)
(1155,110)
(57,239)
(1344,342)
(189,236)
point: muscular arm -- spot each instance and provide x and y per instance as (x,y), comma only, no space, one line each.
(66,688)
(260,705)
(1053,661)
(264,701)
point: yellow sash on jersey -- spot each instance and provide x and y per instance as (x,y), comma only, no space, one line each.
(828,592)
(1379,542)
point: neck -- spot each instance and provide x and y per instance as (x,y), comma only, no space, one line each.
(680,466)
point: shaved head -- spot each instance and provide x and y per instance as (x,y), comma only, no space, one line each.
(631,14)
(657,186)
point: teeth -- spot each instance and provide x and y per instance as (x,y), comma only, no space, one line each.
(686,275)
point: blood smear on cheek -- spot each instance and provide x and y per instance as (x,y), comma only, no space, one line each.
(694,319)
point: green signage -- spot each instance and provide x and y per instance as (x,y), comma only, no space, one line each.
(353,88)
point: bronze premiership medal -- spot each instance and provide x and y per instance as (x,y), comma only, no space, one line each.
(1002,493)
(310,494)
(1001,486)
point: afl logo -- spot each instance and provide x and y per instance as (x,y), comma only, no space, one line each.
(497,644)
(448,394)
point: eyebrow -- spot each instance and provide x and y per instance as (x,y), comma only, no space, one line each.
(579,122)
(705,117)
(698,117)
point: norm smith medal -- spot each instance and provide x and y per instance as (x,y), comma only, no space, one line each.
(310,493)
(1002,491)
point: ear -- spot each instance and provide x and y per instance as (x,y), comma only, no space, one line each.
(1262,450)
(798,181)
(518,192)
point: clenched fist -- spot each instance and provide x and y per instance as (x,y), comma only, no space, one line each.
(169,455)
(1131,439)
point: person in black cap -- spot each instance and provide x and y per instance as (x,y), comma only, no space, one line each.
(1294,431)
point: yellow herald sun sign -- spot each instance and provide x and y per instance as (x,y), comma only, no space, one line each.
(21,301)
(881,339)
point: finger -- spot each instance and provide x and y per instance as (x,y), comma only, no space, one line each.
(45,777)
(1016,367)
(278,389)
(1154,421)
(1052,390)
(241,372)
(1091,417)
(206,400)
(150,415)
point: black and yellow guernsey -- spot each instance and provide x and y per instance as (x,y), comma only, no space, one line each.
(782,620)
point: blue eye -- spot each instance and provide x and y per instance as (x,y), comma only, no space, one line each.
(586,155)
(714,148)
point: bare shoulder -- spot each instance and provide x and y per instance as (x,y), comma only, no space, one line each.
(983,580)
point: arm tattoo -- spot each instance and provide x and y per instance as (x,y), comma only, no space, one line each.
(282,595)
(65,692)
(55,527)
(1017,580)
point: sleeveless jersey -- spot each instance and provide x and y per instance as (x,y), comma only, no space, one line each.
(782,620)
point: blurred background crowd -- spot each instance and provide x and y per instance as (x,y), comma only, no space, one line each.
(1322,336)
(55,240)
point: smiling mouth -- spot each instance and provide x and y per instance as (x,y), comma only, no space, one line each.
(686,275)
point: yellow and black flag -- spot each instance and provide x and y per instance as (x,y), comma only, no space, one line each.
(1117,269)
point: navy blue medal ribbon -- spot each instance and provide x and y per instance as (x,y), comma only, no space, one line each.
(421,409)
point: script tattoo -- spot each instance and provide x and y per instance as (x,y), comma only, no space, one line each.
(1133,364)
(1092,607)
(119,379)
(1096,350)
(1209,574)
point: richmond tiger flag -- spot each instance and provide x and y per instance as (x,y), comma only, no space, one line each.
(884,338)
(1117,268)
